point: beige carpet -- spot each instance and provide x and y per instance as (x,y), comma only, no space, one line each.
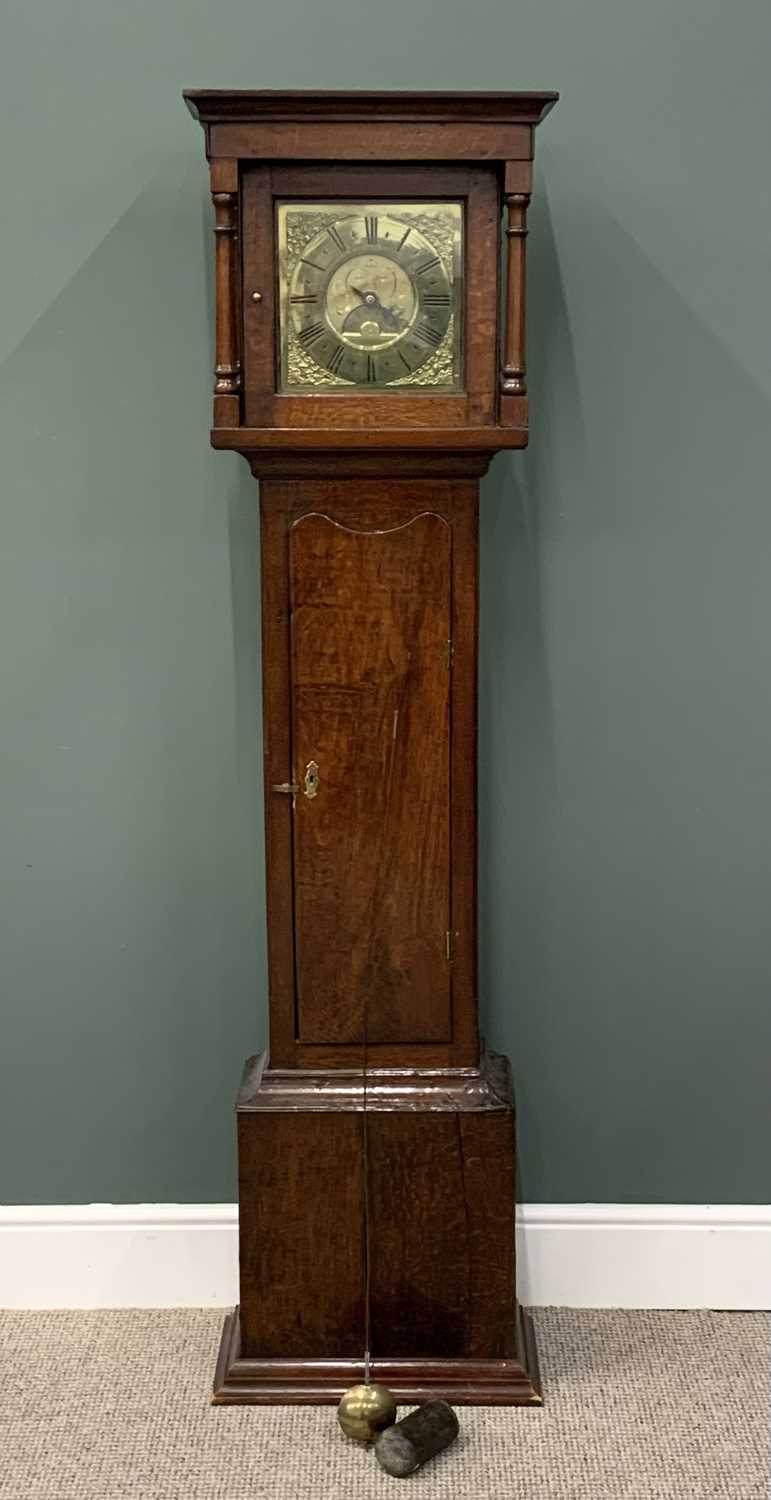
(639,1406)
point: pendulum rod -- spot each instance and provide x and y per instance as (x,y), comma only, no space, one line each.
(377,906)
(365,1151)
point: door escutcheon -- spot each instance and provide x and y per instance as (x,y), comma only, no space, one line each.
(311,779)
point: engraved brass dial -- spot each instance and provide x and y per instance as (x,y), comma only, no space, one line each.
(370,295)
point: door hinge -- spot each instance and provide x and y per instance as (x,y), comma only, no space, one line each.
(448,946)
(450,654)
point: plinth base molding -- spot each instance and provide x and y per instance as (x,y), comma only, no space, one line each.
(243,1380)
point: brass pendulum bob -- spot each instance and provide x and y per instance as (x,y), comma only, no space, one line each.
(365,1411)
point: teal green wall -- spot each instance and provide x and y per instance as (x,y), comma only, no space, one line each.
(624,756)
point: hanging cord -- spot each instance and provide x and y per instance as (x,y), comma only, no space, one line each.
(365,1153)
(365,1096)
(365,1147)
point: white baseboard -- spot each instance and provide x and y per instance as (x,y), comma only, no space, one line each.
(645,1255)
(570,1255)
(119,1255)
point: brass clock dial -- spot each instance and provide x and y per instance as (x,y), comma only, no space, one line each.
(370,295)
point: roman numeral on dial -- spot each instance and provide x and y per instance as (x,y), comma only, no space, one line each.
(428,265)
(437,299)
(427,335)
(313,332)
(336,238)
(306,297)
(371,371)
(335,360)
(371,227)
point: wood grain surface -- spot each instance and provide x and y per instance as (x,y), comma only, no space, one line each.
(246,1379)
(370,633)
(365,584)
(364,105)
(330,141)
(442,1234)
(301,1235)
(438,1160)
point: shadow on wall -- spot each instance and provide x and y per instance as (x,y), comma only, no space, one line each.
(621,726)
(131,824)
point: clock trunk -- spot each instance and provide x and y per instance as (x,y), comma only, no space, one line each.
(369,639)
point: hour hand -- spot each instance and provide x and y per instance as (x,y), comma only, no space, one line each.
(359,293)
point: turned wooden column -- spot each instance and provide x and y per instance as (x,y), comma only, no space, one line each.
(227,368)
(513,382)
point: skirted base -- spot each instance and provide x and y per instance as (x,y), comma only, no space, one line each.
(240,1380)
(378,1209)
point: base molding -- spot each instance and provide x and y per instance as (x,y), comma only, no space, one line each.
(241,1380)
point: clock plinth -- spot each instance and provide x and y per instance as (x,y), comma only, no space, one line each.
(433,1253)
(368,366)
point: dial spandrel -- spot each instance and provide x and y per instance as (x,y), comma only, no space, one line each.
(370,295)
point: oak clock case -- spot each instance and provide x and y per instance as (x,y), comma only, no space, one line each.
(369,362)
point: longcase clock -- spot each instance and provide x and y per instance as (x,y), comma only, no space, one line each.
(370,361)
